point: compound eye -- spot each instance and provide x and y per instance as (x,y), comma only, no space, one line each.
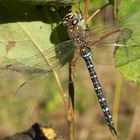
(75,21)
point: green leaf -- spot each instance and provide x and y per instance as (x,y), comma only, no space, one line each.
(25,35)
(131,69)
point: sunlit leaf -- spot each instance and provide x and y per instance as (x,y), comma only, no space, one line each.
(26,34)
(131,70)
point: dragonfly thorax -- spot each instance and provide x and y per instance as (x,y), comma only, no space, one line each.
(80,42)
(75,32)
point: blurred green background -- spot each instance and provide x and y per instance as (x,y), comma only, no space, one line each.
(18,114)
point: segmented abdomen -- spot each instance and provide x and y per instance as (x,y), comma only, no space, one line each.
(86,54)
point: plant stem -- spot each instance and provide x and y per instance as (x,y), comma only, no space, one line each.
(86,14)
(96,12)
(71,104)
(63,95)
(71,86)
(71,129)
(117,100)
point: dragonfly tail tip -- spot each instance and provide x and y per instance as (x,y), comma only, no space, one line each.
(113,131)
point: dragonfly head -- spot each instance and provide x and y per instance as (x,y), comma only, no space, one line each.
(71,20)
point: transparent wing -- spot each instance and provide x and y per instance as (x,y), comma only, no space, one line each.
(52,58)
(123,35)
(123,56)
(26,86)
(44,62)
(105,51)
(35,86)
(129,21)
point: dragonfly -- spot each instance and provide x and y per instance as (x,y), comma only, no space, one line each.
(103,42)
(78,36)
(80,39)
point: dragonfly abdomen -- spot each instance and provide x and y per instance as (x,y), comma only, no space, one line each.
(86,54)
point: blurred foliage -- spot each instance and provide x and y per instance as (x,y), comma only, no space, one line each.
(19,114)
(51,2)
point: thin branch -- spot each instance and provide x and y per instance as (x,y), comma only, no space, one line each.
(63,94)
(86,14)
(117,100)
(71,85)
(96,12)
(71,104)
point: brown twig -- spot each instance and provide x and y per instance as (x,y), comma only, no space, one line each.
(96,12)
(117,100)
(86,14)
(71,85)
(71,103)
(63,94)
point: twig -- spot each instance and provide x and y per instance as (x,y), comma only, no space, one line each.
(86,14)
(96,12)
(71,104)
(116,100)
(71,85)
(63,95)
(111,2)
